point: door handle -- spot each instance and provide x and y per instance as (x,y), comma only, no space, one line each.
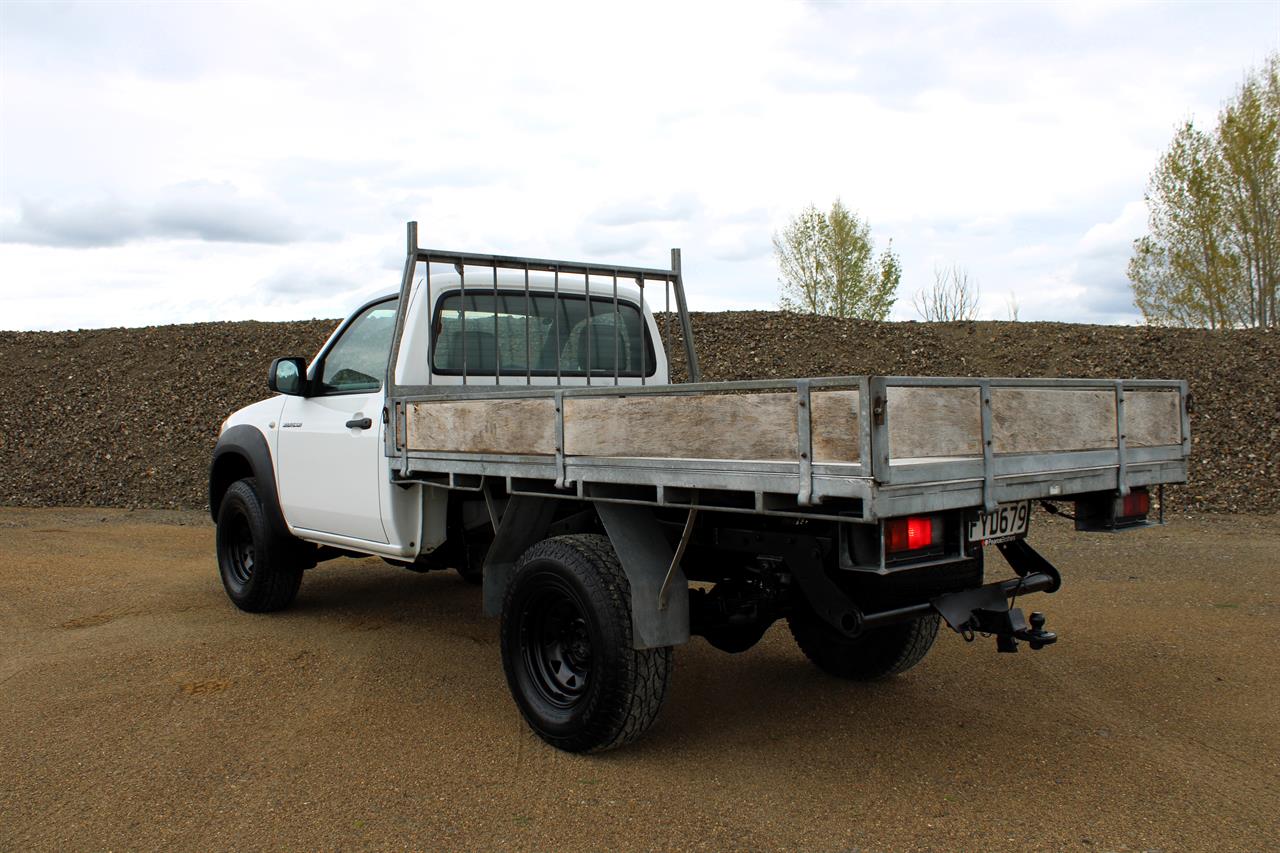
(359,423)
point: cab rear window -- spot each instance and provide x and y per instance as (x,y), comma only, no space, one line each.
(514,333)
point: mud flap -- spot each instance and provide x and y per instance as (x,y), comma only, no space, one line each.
(646,557)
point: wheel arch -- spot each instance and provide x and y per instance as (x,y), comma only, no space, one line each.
(242,451)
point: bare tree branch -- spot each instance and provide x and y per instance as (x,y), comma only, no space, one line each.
(953,297)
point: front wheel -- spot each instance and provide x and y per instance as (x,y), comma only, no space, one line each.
(259,574)
(566,647)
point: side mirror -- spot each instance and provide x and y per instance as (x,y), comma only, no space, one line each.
(288,376)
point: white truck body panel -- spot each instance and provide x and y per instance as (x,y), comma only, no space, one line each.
(330,475)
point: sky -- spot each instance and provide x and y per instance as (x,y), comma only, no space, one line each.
(184,162)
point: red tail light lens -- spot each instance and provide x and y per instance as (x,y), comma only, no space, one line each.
(1137,502)
(908,534)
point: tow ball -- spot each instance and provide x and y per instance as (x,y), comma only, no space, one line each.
(989,609)
(1009,626)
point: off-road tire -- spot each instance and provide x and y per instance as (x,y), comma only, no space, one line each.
(564,591)
(873,654)
(259,573)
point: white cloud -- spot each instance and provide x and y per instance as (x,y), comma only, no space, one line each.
(196,210)
(179,162)
(1105,237)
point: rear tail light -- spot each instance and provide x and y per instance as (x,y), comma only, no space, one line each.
(1136,503)
(911,533)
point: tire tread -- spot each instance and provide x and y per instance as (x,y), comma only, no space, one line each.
(277,570)
(626,713)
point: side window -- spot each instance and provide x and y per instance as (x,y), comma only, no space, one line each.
(357,361)
(511,333)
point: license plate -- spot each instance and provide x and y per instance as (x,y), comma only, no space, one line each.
(1004,522)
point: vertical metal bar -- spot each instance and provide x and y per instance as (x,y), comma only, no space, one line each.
(431,342)
(666,326)
(462,297)
(617,324)
(555,316)
(804,433)
(880,451)
(559,401)
(1122,483)
(401,415)
(988,454)
(591,333)
(644,337)
(528,346)
(863,415)
(402,308)
(686,325)
(1185,398)
(497,357)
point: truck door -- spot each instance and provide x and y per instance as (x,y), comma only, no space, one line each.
(329,445)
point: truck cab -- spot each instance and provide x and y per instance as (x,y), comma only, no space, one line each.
(326,430)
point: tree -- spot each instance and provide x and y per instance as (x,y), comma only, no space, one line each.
(1212,257)
(1249,141)
(827,265)
(953,297)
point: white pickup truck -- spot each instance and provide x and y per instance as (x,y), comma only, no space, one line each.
(513,419)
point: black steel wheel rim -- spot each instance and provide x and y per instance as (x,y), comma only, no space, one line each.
(556,646)
(239,550)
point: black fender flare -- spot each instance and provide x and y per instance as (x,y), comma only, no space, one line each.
(242,451)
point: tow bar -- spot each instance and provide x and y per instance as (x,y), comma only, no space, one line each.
(989,609)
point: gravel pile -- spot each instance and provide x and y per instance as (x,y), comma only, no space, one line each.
(127,417)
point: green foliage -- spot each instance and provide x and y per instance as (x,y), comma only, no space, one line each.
(827,265)
(1212,257)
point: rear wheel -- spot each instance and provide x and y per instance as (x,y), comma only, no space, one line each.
(259,574)
(877,653)
(566,647)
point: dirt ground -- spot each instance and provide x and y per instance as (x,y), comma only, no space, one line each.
(140,710)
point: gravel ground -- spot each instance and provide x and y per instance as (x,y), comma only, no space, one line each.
(127,417)
(140,710)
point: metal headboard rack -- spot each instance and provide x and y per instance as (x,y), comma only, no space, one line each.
(671,281)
